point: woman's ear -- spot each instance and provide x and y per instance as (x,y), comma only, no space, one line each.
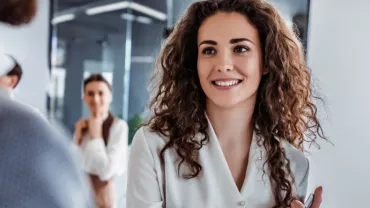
(265,71)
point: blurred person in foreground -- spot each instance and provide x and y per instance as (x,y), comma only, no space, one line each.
(12,77)
(10,80)
(37,165)
(232,110)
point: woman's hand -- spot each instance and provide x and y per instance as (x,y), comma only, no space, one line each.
(95,126)
(316,200)
(80,126)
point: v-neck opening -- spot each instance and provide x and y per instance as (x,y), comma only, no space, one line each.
(229,174)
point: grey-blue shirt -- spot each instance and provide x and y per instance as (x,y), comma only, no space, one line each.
(38,167)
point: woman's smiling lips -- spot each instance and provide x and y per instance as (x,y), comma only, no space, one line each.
(226,83)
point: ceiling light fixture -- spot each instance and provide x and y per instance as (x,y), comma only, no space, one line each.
(125,4)
(144,20)
(107,8)
(127,16)
(148,11)
(62,18)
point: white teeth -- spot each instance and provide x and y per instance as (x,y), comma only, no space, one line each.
(227,83)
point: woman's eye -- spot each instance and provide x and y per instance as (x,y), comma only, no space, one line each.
(241,49)
(209,51)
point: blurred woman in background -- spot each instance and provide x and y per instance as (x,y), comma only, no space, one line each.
(233,108)
(103,141)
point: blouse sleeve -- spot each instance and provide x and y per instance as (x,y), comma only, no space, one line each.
(143,187)
(107,161)
(302,186)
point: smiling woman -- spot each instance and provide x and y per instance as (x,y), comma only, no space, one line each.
(232,109)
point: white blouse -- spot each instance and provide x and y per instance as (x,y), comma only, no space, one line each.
(151,185)
(106,161)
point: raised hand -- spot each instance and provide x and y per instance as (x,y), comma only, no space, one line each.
(80,127)
(95,125)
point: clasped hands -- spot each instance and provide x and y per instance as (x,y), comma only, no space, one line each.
(93,125)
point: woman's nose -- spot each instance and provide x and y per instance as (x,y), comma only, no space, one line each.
(224,62)
(96,98)
(224,68)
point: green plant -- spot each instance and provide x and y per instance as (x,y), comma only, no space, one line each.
(133,125)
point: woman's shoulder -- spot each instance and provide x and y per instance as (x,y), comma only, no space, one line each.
(299,163)
(120,123)
(294,153)
(118,130)
(150,140)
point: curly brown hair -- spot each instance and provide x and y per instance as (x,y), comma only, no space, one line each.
(17,12)
(284,106)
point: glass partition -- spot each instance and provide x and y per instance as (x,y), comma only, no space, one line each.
(119,39)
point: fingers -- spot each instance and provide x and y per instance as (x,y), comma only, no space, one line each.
(318,198)
(82,123)
(79,126)
(77,136)
(78,139)
(296,204)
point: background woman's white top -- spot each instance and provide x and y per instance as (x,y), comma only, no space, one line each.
(108,160)
(151,185)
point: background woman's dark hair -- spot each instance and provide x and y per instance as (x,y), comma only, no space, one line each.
(284,106)
(16,71)
(96,78)
(17,12)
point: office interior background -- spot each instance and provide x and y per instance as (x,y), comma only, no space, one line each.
(70,39)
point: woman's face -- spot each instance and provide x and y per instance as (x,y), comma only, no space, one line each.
(229,59)
(97,97)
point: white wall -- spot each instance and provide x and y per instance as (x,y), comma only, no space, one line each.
(338,53)
(29,45)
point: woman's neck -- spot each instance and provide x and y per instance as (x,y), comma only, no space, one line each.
(103,115)
(232,124)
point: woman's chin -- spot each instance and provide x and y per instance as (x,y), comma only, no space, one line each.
(224,103)
(99,110)
(94,110)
